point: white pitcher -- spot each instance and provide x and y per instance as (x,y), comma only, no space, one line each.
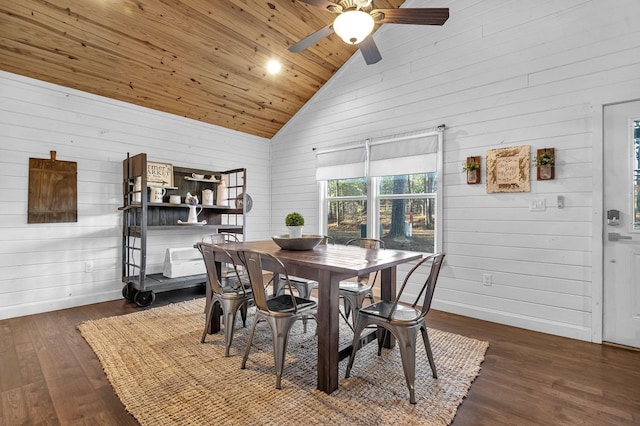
(193,214)
(157,193)
(207,197)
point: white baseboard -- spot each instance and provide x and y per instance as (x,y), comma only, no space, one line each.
(514,320)
(55,305)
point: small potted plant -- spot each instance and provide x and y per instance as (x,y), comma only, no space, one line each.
(472,168)
(294,222)
(545,160)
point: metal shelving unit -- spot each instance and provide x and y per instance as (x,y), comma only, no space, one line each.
(140,217)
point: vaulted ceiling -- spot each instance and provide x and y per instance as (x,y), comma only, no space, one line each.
(201,59)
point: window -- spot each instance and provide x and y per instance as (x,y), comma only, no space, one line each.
(405,210)
(346,208)
(400,209)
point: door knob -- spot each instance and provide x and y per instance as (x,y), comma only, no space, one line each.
(614,236)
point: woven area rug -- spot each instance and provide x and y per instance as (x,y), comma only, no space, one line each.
(165,376)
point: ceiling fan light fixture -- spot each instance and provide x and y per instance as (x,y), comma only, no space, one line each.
(353,26)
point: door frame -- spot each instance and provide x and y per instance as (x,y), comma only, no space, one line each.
(597,273)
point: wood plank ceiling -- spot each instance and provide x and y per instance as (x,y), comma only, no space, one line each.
(201,59)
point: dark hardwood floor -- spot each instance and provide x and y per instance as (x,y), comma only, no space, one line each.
(49,375)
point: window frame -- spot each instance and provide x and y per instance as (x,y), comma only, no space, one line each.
(373,196)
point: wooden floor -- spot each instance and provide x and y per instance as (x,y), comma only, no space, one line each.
(49,375)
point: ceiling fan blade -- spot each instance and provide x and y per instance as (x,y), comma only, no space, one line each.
(370,51)
(312,39)
(324,4)
(416,16)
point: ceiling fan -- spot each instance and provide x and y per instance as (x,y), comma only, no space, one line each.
(356,19)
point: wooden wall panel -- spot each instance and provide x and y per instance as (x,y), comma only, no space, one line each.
(497,74)
(43,266)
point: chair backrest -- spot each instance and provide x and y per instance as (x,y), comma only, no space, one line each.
(428,287)
(368,243)
(220,238)
(252,261)
(208,255)
(327,239)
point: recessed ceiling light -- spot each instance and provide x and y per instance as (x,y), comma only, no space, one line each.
(273,67)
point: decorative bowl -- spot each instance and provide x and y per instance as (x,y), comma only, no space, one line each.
(307,242)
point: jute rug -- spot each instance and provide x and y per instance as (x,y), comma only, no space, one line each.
(165,376)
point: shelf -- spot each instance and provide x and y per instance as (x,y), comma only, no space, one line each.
(161,283)
(162,186)
(201,180)
(207,226)
(215,206)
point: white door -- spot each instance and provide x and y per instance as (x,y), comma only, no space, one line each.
(622,227)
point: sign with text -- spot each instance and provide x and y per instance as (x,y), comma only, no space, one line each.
(159,174)
(508,169)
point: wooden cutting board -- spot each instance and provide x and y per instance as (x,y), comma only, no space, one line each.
(53,190)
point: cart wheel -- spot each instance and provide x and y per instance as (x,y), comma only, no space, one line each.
(144,298)
(129,292)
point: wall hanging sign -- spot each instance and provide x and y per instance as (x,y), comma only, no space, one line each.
(159,174)
(53,190)
(508,169)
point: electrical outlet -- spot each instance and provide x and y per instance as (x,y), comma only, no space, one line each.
(537,205)
(486,279)
(88,266)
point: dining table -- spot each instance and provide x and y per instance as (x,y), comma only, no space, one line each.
(328,264)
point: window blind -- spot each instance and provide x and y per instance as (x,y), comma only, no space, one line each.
(341,162)
(405,155)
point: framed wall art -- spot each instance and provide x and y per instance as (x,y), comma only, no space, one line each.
(509,169)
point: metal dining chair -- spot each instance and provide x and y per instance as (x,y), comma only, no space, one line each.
(355,292)
(403,322)
(231,298)
(302,285)
(280,312)
(229,272)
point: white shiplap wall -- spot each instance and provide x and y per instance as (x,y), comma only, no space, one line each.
(42,266)
(499,73)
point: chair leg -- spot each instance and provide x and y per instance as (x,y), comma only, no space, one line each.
(280,330)
(356,304)
(256,320)
(407,345)
(382,336)
(230,321)
(427,346)
(207,321)
(243,312)
(360,326)
(347,308)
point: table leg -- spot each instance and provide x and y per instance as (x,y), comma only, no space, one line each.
(388,292)
(328,331)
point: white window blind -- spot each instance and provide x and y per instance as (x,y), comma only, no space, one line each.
(343,162)
(405,153)
(410,154)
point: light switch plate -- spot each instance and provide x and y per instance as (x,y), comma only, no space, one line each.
(537,205)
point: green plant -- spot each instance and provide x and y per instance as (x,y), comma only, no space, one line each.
(470,165)
(545,158)
(294,219)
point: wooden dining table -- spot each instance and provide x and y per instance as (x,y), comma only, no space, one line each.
(328,264)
